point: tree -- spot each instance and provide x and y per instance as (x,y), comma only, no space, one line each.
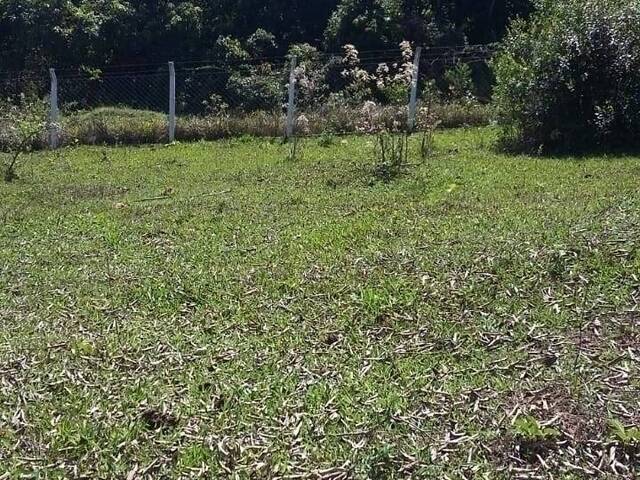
(383,23)
(98,33)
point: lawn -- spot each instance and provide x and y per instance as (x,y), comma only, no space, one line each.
(218,310)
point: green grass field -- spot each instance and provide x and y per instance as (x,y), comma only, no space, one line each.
(215,310)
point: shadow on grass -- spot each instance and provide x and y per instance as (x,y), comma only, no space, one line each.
(517,147)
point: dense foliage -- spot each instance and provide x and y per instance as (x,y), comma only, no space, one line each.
(570,78)
(102,32)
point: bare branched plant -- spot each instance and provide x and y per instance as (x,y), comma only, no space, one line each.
(392,155)
(389,125)
(302,128)
(426,123)
(294,151)
(392,139)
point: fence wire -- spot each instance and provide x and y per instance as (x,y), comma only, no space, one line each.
(129,90)
(215,99)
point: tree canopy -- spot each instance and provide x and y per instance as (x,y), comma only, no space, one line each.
(38,33)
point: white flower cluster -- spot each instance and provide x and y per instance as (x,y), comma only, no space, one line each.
(385,75)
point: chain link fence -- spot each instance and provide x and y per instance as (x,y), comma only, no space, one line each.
(305,93)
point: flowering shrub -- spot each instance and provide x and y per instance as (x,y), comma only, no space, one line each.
(389,83)
(359,81)
(310,75)
(570,78)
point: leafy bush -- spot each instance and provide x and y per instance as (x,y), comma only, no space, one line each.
(570,78)
(460,81)
(22,127)
(261,89)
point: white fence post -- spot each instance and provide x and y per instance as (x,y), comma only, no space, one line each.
(172,102)
(54,112)
(414,90)
(291,106)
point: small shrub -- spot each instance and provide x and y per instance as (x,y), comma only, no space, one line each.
(569,79)
(626,436)
(23,125)
(529,429)
(460,81)
(326,139)
(392,153)
(532,439)
(294,149)
(258,89)
(426,123)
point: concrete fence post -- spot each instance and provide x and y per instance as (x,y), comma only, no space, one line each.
(291,106)
(414,90)
(172,102)
(54,111)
